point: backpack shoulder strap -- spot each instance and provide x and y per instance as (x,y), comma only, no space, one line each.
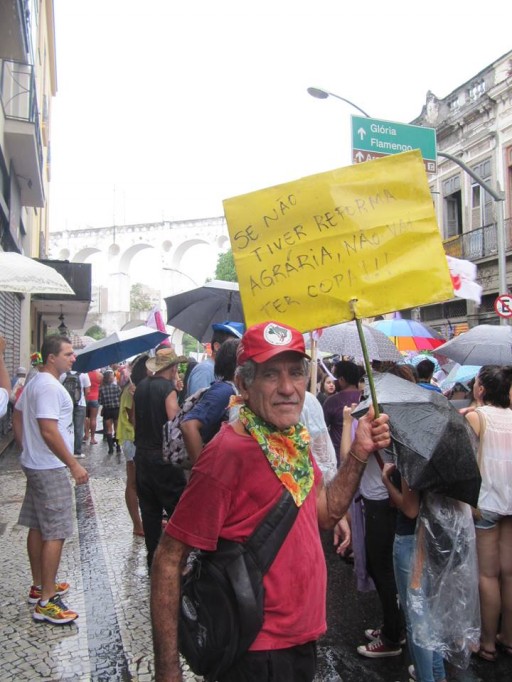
(265,541)
(261,549)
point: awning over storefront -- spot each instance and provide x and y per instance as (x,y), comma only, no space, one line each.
(73,308)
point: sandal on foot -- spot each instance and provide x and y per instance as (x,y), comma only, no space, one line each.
(503,647)
(485,655)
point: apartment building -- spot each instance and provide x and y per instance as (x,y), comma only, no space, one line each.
(474,125)
(28,83)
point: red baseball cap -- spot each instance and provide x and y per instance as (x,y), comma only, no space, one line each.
(267,339)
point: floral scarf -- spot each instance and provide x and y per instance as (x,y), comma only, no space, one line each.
(287,452)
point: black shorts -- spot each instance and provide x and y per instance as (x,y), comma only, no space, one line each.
(296,664)
(110,413)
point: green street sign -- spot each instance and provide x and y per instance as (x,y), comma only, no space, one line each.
(372,139)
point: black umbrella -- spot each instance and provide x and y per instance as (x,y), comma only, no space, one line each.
(433,445)
(196,310)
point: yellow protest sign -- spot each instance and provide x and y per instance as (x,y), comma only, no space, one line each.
(304,249)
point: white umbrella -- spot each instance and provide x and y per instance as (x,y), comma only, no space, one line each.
(116,347)
(27,276)
(486,344)
(343,339)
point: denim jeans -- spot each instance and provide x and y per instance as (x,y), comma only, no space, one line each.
(78,427)
(429,665)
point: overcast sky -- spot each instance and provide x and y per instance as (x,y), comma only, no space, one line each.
(167,107)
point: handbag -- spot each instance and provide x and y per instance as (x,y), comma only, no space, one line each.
(222,594)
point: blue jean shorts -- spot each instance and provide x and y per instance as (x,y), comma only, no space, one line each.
(488,519)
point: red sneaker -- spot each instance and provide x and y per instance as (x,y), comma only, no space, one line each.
(35,592)
(377,649)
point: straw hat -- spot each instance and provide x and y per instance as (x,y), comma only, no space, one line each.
(165,357)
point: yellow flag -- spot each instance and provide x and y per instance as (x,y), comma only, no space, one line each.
(368,232)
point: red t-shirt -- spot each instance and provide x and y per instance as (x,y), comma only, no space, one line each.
(96,380)
(231,490)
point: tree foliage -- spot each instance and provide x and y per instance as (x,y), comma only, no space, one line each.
(96,332)
(225,269)
(139,299)
(190,345)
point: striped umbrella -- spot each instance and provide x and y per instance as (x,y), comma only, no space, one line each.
(410,334)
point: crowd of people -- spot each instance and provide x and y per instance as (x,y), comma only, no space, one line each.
(390,509)
(253,430)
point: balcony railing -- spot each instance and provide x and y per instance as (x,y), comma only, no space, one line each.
(18,91)
(18,97)
(479,243)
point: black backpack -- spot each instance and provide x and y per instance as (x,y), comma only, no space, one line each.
(73,386)
(222,594)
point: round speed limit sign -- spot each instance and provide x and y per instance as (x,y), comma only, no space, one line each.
(503,305)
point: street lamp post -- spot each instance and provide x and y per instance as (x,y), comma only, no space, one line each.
(324,94)
(498,196)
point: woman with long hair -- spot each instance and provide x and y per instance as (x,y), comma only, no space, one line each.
(492,423)
(327,388)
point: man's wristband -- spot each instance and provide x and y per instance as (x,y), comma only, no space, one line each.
(361,461)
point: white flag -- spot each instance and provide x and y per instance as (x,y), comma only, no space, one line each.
(463,274)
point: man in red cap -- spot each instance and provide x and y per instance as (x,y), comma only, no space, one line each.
(236,481)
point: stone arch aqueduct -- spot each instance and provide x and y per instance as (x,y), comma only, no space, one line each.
(118,245)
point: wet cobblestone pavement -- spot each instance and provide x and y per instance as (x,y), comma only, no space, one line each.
(106,567)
